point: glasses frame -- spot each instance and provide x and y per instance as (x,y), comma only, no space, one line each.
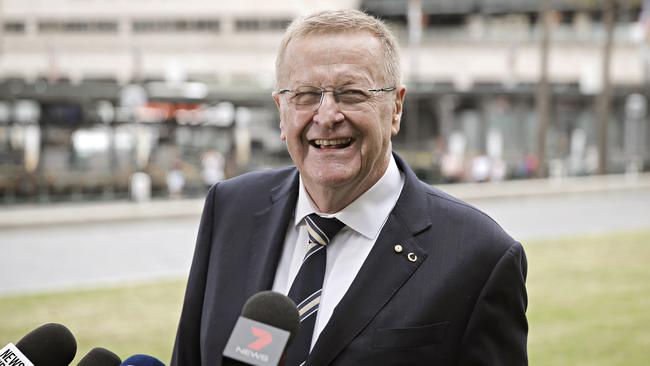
(335,93)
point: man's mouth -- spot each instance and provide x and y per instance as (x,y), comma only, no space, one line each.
(331,143)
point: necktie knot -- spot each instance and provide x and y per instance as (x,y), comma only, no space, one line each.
(322,229)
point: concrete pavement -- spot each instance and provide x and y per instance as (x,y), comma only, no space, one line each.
(89,212)
(86,245)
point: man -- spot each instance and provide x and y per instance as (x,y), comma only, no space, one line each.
(413,277)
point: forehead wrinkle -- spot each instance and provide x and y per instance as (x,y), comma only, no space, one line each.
(329,77)
(320,68)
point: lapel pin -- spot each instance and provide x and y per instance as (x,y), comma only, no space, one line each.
(398,248)
(412,257)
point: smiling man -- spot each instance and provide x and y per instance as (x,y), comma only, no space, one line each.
(384,269)
(339,113)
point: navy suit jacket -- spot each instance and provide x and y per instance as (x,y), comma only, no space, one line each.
(462,301)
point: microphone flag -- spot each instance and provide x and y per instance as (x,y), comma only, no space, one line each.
(10,355)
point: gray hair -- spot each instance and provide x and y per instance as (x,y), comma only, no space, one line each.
(339,21)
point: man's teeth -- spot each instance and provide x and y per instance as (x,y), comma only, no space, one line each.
(332,142)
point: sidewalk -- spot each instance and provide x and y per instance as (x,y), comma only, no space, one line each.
(87,212)
(548,187)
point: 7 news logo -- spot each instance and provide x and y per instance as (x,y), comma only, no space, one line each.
(256,343)
(263,340)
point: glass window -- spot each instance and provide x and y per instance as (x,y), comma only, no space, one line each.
(77,26)
(256,24)
(175,25)
(14,27)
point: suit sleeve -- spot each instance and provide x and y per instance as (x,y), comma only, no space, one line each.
(497,330)
(187,350)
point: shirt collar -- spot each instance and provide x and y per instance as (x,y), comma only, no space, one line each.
(368,213)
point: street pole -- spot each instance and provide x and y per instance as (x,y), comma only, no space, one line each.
(542,100)
(414,15)
(603,101)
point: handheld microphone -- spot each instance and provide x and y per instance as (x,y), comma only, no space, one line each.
(99,356)
(268,323)
(50,344)
(142,360)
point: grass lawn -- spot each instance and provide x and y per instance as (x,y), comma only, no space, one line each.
(589,304)
(126,320)
(589,300)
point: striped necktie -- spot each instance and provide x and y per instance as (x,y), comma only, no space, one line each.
(308,284)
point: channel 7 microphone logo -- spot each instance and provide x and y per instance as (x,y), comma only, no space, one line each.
(264,338)
(256,343)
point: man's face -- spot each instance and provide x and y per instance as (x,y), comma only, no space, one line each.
(337,146)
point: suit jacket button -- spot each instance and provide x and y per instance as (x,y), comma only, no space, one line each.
(412,257)
(398,248)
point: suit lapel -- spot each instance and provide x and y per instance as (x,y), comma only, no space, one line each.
(383,273)
(269,230)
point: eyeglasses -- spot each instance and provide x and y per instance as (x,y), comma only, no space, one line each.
(311,97)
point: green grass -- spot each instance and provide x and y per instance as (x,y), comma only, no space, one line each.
(589,304)
(126,320)
(589,300)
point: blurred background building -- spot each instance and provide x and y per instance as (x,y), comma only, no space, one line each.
(111,99)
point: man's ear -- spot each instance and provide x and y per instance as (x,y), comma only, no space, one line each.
(397,111)
(283,137)
(276,99)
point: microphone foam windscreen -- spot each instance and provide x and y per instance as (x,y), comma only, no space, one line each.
(142,360)
(274,309)
(50,344)
(99,356)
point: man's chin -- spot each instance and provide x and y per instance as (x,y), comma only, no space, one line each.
(331,176)
(335,181)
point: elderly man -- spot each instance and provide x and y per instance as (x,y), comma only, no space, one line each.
(385,269)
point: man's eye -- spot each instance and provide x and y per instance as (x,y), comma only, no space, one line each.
(352,96)
(307,97)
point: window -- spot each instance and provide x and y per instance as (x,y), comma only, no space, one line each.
(14,27)
(77,26)
(176,25)
(256,25)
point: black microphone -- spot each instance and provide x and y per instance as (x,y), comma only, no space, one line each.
(268,323)
(142,360)
(50,344)
(99,356)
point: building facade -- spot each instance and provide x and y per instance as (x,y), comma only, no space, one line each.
(92,91)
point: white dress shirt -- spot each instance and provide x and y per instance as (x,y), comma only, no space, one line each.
(364,219)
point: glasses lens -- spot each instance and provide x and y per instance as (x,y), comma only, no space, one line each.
(309,97)
(352,96)
(306,96)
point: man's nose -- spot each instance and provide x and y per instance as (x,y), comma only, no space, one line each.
(327,111)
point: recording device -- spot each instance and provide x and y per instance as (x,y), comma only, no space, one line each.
(142,360)
(267,324)
(99,356)
(50,344)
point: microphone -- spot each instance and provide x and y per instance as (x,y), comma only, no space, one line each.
(142,360)
(50,344)
(268,323)
(99,356)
